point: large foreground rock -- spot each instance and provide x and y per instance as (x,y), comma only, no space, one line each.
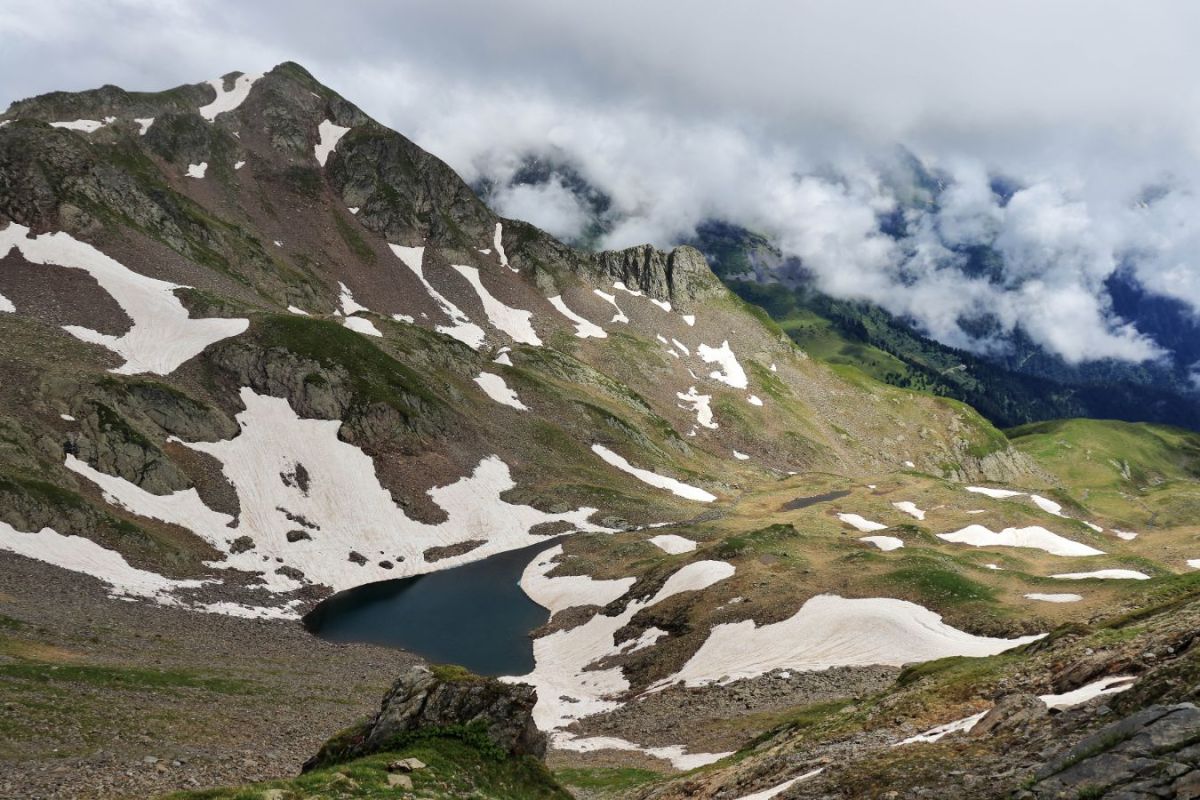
(447,701)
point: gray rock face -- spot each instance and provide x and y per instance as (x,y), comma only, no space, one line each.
(680,276)
(1152,753)
(420,700)
(1012,712)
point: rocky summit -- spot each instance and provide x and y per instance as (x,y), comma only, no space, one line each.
(257,349)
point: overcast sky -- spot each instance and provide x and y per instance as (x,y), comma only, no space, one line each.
(782,116)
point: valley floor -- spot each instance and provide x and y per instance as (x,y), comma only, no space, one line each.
(102,698)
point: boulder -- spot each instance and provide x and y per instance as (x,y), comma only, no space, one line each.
(449,699)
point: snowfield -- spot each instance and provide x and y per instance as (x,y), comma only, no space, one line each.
(294,476)
(362,325)
(163,335)
(463,329)
(1034,537)
(831,631)
(653,478)
(910,508)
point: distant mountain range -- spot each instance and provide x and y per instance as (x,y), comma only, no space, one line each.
(1020,384)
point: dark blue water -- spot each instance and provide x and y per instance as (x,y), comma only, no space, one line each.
(475,615)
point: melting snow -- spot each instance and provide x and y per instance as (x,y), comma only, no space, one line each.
(690,319)
(463,329)
(1054,598)
(700,404)
(78,554)
(670,543)
(330,135)
(352,209)
(239,164)
(228,101)
(754,400)
(730,371)
(681,346)
(1194,563)
(1047,505)
(910,508)
(6,305)
(343,508)
(503,359)
(612,300)
(884,543)
(934,734)
(1113,574)
(831,631)
(144,124)
(583,328)
(295,310)
(513,321)
(863,524)
(653,478)
(495,387)
(1034,537)
(197,170)
(361,325)
(567,689)
(740,456)
(1126,535)
(163,336)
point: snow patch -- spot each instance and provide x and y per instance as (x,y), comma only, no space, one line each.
(611,299)
(197,170)
(677,754)
(670,543)
(653,478)
(512,321)
(1113,684)
(884,543)
(730,371)
(299,311)
(740,456)
(861,523)
(934,734)
(228,101)
(329,136)
(831,631)
(238,164)
(1108,574)
(341,505)
(362,325)
(583,328)
(910,508)
(995,494)
(463,329)
(497,242)
(1128,536)
(1054,597)
(348,303)
(754,400)
(767,794)
(1034,537)
(81,125)
(144,124)
(690,319)
(701,405)
(495,387)
(163,335)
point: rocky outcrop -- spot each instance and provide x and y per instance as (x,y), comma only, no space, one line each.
(680,276)
(1154,752)
(444,701)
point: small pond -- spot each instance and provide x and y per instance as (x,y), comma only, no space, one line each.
(475,615)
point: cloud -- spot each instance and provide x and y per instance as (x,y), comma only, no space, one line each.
(780,116)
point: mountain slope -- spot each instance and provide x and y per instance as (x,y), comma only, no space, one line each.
(256,348)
